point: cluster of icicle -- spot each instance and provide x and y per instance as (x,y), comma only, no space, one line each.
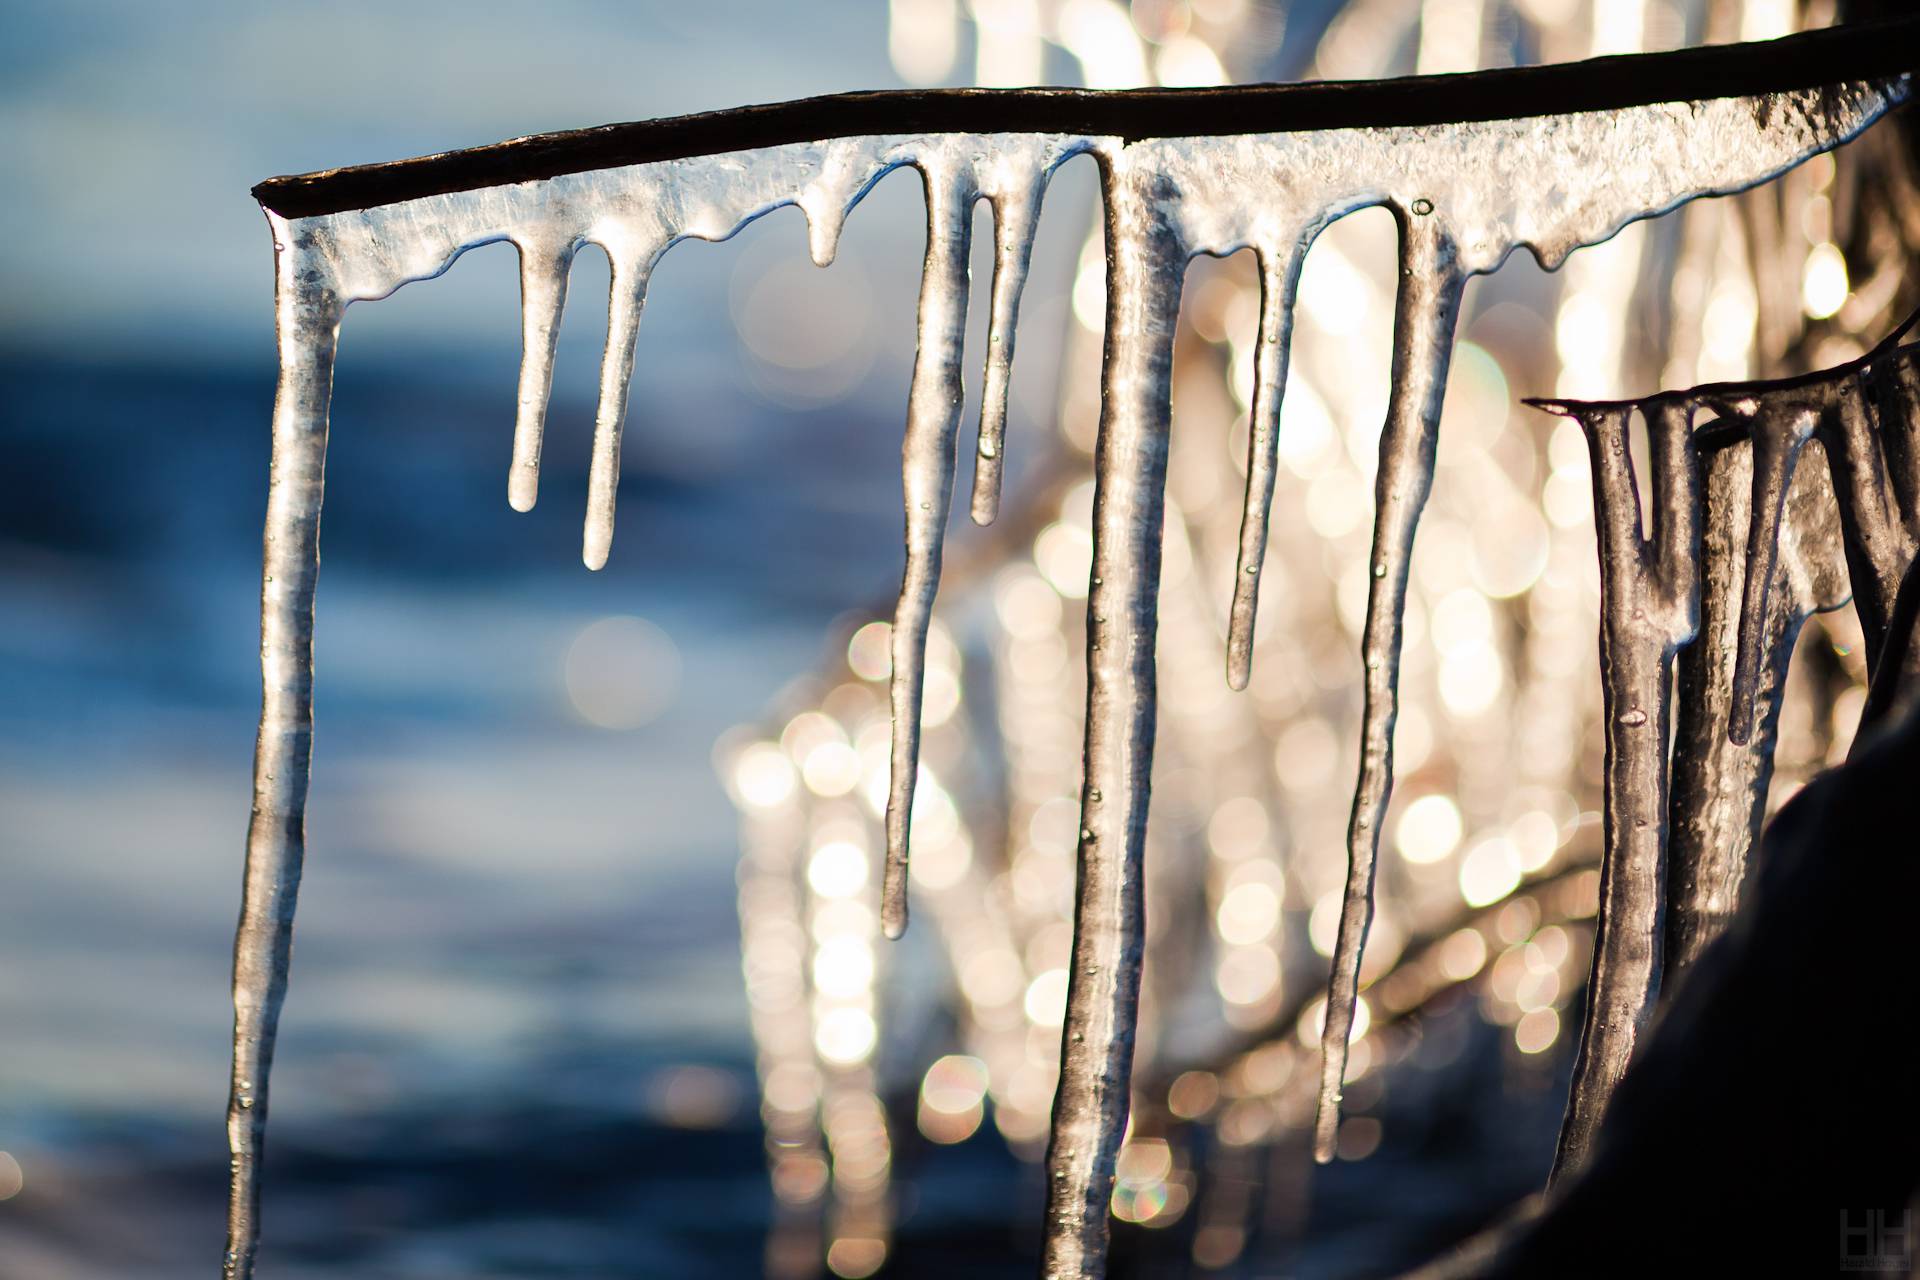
(1464,196)
(1741,545)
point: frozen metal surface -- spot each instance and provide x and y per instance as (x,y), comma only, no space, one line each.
(1465,195)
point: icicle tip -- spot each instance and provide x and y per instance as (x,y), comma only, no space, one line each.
(1326,1131)
(594,554)
(523,488)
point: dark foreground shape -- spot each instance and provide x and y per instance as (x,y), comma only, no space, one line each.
(1771,1124)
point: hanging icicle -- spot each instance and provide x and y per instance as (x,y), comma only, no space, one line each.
(1718,794)
(1651,607)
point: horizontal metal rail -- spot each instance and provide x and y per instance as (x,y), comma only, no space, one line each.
(1853,52)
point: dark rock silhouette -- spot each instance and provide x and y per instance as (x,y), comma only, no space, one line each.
(1770,1125)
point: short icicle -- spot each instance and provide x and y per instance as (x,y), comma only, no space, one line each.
(1879,545)
(1899,415)
(1015,216)
(1278,280)
(1649,608)
(1431,284)
(1895,686)
(927,469)
(308,321)
(626,297)
(543,297)
(1144,269)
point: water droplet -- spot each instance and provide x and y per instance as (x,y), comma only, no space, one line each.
(1634,718)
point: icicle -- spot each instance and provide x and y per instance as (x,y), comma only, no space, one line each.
(927,466)
(1649,607)
(1278,280)
(1778,437)
(1878,545)
(1895,686)
(626,296)
(1145,263)
(1717,799)
(1899,416)
(543,296)
(1016,214)
(1431,283)
(308,321)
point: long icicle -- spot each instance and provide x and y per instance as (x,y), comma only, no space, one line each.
(1278,280)
(1144,276)
(927,467)
(1649,608)
(1016,214)
(1717,796)
(543,297)
(1777,441)
(1428,307)
(308,321)
(626,297)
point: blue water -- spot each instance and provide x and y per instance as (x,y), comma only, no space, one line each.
(513,922)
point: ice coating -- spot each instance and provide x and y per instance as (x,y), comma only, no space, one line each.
(1465,195)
